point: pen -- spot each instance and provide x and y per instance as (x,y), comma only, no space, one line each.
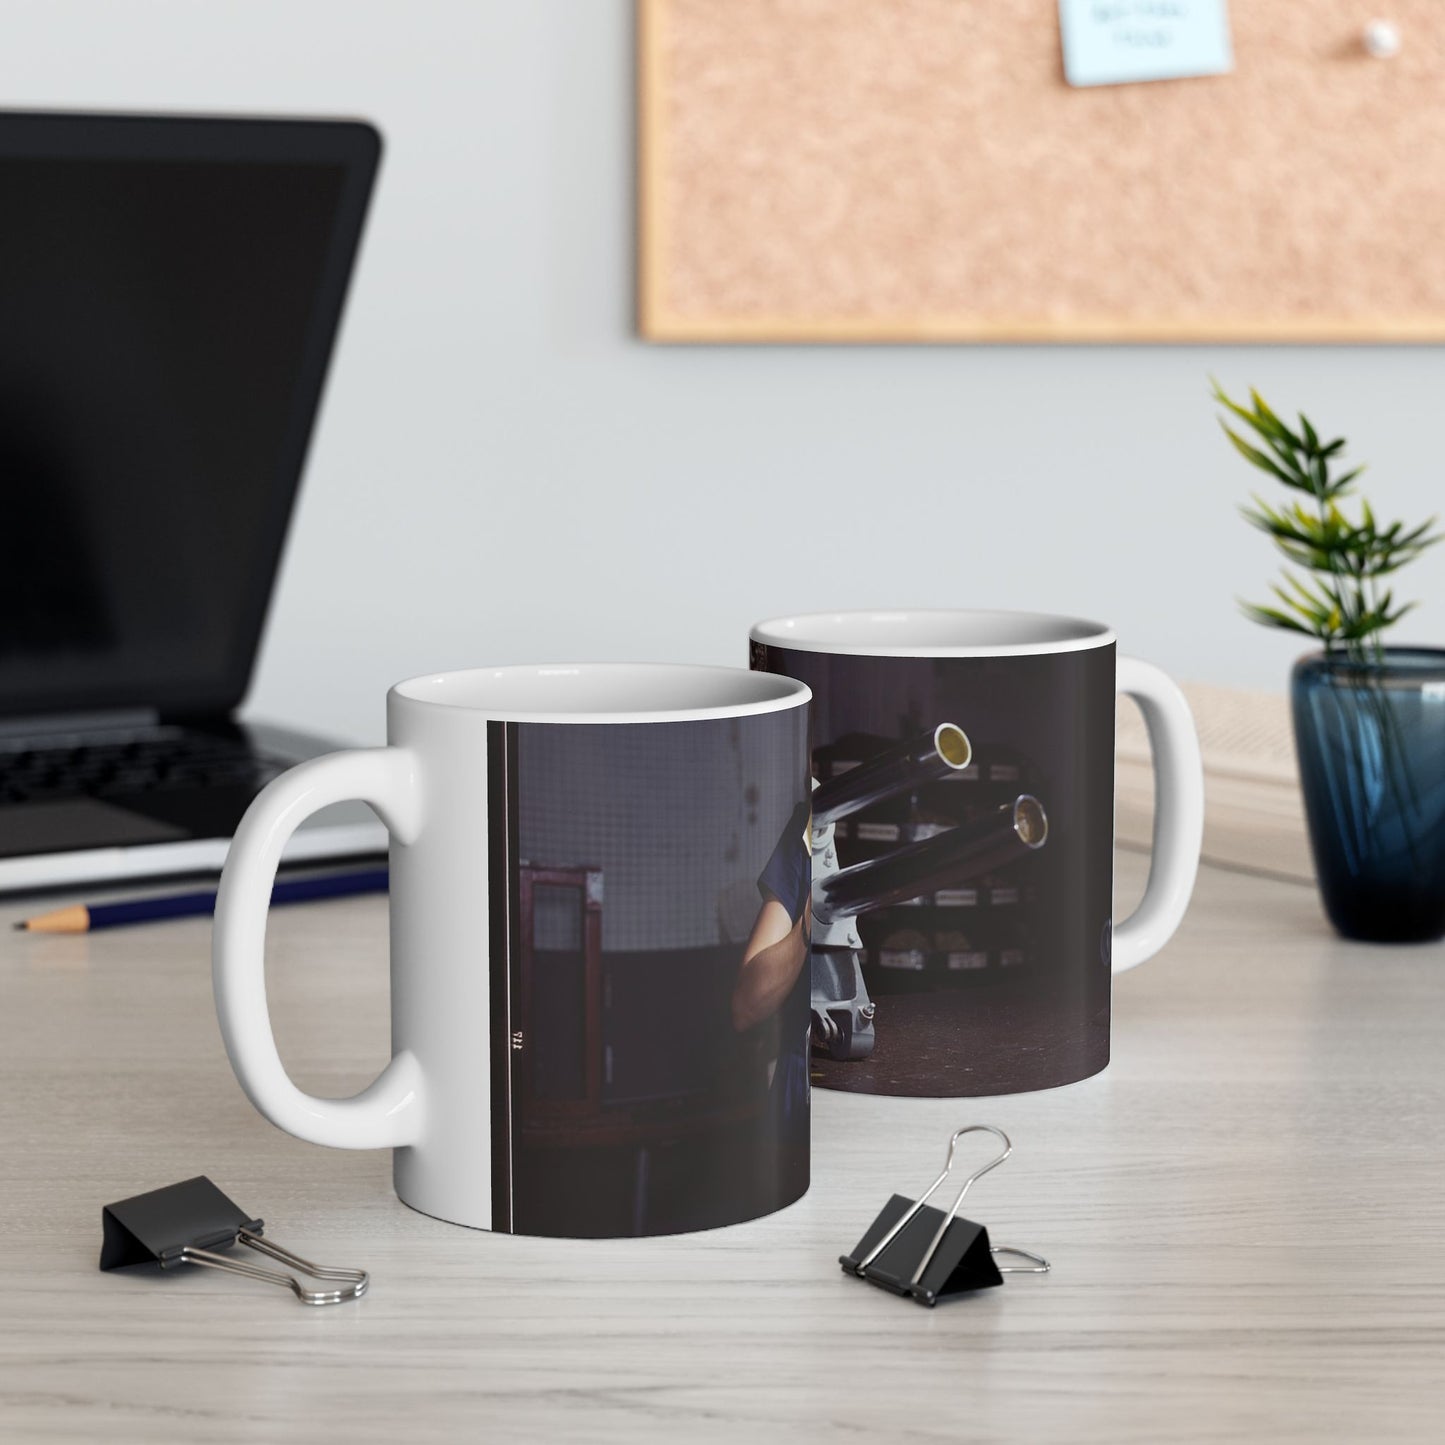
(82,919)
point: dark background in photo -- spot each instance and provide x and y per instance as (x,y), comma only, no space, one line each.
(1001,984)
(638,1106)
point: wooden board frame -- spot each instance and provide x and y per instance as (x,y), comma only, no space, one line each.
(659,321)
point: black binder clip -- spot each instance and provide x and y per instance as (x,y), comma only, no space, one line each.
(912,1249)
(187,1223)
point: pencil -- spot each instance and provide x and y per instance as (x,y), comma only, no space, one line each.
(80,918)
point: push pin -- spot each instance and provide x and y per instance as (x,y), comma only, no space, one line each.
(915,1250)
(187,1223)
(1381,40)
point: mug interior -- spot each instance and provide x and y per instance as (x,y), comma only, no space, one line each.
(607,692)
(932,633)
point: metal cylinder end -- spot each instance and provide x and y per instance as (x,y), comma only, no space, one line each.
(953,745)
(1031,823)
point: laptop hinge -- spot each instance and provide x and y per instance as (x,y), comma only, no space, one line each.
(110,720)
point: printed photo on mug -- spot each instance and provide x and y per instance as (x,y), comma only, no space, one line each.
(964,840)
(650,1010)
(962,836)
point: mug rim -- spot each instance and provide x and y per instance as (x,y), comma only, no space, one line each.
(843,632)
(443,691)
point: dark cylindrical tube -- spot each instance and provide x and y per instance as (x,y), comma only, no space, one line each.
(930,755)
(962,853)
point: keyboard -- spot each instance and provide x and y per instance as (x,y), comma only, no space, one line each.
(157,759)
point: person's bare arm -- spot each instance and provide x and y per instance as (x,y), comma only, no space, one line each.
(775,954)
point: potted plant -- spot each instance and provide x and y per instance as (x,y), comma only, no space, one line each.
(1369,719)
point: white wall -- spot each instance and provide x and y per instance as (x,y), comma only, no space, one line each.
(503,472)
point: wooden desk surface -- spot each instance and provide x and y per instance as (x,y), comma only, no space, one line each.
(1245,1212)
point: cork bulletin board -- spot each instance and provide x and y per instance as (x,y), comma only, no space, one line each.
(919,170)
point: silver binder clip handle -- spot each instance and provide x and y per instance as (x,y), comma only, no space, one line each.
(968,1183)
(923,1198)
(356,1280)
(1039,1266)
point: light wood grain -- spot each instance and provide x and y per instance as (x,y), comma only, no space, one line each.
(1246,1215)
(920,171)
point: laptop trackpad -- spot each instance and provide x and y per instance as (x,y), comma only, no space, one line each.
(76,823)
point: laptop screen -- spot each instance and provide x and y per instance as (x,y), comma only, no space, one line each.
(169,292)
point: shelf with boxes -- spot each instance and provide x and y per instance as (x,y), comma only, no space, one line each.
(964,929)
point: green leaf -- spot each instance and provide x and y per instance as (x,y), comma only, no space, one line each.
(1271,617)
(1257,458)
(1411,539)
(1312,610)
(1317,596)
(1263,422)
(1269,422)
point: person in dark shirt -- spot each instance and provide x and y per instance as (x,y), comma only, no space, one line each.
(779,944)
(770,1000)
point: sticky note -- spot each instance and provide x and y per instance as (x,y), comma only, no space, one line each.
(1111,42)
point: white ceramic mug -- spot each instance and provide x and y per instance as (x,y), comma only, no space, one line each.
(599,1007)
(963,842)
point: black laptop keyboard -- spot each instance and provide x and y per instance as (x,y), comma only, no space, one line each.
(162,759)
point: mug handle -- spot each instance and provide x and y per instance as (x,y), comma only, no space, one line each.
(1178,813)
(391,1111)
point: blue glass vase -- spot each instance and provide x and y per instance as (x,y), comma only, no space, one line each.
(1371,743)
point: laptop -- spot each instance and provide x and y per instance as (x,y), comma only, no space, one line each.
(170,290)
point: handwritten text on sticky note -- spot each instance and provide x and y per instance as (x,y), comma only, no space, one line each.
(1108,42)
